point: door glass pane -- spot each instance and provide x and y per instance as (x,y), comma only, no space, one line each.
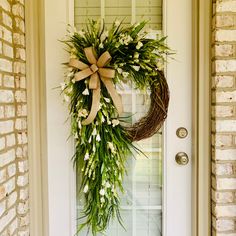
(150,10)
(117,9)
(142,202)
(85,9)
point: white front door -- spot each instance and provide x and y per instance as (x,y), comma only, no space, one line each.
(158,189)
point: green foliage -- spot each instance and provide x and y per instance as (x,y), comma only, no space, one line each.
(102,148)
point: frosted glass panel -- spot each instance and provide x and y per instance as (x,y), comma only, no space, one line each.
(86,9)
(150,10)
(119,9)
(127,10)
(148,223)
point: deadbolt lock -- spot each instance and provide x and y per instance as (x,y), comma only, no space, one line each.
(182,132)
(182,158)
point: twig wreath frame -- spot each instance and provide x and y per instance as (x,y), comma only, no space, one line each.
(100,60)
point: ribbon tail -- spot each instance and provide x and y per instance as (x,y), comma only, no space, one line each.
(95,105)
(116,98)
(93,81)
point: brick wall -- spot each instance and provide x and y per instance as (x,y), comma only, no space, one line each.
(224,118)
(14,212)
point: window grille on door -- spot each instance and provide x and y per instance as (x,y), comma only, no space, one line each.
(127,10)
(142,202)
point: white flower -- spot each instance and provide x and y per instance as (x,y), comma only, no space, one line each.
(102,199)
(115,122)
(66,98)
(160,65)
(117,23)
(83,113)
(100,106)
(71,30)
(73,56)
(86,188)
(104,35)
(63,85)
(107,100)
(111,147)
(102,192)
(73,50)
(117,45)
(86,157)
(139,45)
(119,70)
(125,39)
(121,41)
(78,103)
(125,74)
(113,189)
(128,39)
(101,45)
(102,119)
(85,92)
(70,74)
(94,133)
(76,135)
(81,33)
(108,121)
(79,124)
(136,68)
(98,138)
(136,55)
(126,42)
(94,148)
(120,177)
(108,185)
(70,89)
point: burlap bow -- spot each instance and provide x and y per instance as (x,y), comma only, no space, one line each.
(96,70)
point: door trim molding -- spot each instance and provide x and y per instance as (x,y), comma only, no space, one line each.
(37,118)
(36,105)
(202,116)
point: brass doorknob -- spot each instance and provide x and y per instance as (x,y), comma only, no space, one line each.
(182,158)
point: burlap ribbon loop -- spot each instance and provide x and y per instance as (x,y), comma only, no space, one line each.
(96,71)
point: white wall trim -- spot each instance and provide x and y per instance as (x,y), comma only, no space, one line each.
(36,119)
(202,114)
(41,214)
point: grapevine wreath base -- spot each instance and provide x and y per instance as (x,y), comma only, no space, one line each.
(99,61)
(148,125)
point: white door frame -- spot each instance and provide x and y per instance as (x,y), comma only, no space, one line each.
(42,182)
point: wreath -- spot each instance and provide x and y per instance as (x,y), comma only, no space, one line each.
(100,60)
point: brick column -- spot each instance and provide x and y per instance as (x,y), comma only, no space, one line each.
(14,212)
(224,118)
